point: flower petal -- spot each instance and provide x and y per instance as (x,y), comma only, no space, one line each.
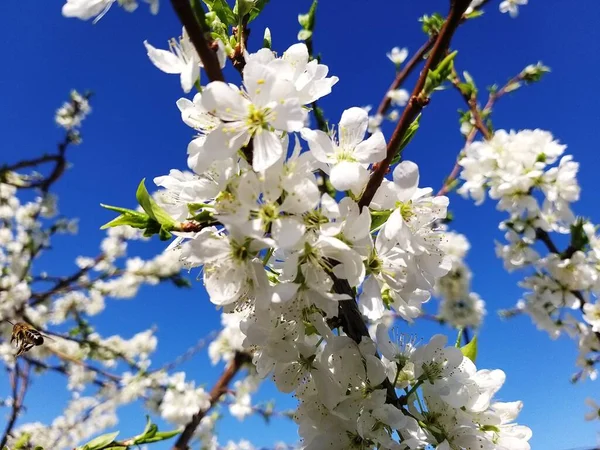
(372,150)
(349,176)
(267,150)
(224,102)
(352,127)
(406,177)
(166,61)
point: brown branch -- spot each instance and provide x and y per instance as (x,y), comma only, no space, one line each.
(479,125)
(404,74)
(19,383)
(59,369)
(220,387)
(29,163)
(417,102)
(209,59)
(65,282)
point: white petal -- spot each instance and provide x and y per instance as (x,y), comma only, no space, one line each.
(319,144)
(225,102)
(406,177)
(297,55)
(375,370)
(369,301)
(189,75)
(372,150)
(224,284)
(390,415)
(288,376)
(225,140)
(287,232)
(288,116)
(347,176)
(166,61)
(267,150)
(352,127)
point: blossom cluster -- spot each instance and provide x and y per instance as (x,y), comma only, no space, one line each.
(533,180)
(459,307)
(285,252)
(63,307)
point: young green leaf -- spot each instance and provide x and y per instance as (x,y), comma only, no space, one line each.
(160,436)
(128,217)
(223,11)
(470,350)
(152,209)
(410,133)
(101,441)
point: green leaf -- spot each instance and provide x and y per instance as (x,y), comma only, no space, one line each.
(470,350)
(223,11)
(23,441)
(130,218)
(144,199)
(410,133)
(149,432)
(161,436)
(259,5)
(432,24)
(152,209)
(101,441)
(378,218)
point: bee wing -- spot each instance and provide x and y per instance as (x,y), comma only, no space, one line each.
(46,336)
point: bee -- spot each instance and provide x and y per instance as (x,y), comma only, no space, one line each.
(25,336)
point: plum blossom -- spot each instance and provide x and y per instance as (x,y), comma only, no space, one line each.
(347,158)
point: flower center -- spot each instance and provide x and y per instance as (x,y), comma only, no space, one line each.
(406,210)
(257,118)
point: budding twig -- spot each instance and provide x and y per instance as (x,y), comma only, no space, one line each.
(417,102)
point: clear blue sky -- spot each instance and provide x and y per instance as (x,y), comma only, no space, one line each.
(135,131)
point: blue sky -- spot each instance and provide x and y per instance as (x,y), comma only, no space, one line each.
(135,131)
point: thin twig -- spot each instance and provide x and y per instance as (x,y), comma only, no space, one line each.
(417,102)
(404,74)
(19,383)
(479,125)
(220,387)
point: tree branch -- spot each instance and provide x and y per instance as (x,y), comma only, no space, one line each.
(19,383)
(417,102)
(404,74)
(218,389)
(209,59)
